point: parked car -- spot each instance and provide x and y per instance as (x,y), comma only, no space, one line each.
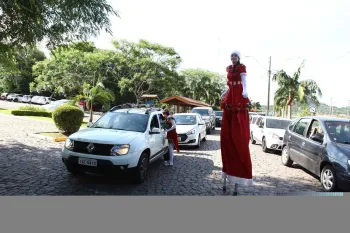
(9,96)
(26,98)
(218,118)
(4,96)
(15,97)
(190,128)
(269,132)
(54,104)
(253,125)
(321,145)
(44,100)
(122,140)
(34,99)
(208,115)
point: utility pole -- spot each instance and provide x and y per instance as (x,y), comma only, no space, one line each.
(348,107)
(268,89)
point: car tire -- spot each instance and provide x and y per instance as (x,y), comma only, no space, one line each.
(205,138)
(73,170)
(329,179)
(141,171)
(209,130)
(198,142)
(264,147)
(252,139)
(286,161)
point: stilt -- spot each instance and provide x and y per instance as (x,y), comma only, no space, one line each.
(235,192)
(224,187)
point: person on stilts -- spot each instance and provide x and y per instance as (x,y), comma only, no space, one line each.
(235,132)
(170,129)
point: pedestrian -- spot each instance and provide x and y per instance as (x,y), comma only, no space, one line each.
(171,135)
(235,133)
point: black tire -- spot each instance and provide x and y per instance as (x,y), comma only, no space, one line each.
(141,171)
(329,179)
(199,142)
(264,147)
(205,138)
(252,139)
(72,170)
(286,161)
(209,130)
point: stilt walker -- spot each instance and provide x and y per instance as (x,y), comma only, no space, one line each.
(235,132)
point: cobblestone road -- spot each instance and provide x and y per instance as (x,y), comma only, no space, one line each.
(31,166)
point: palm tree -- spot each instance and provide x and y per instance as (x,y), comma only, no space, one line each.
(96,93)
(292,90)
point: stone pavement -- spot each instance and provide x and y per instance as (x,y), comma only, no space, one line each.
(31,166)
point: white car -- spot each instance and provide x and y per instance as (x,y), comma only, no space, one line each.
(190,128)
(15,97)
(253,125)
(45,100)
(54,104)
(270,132)
(122,140)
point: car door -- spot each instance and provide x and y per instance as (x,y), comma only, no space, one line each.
(256,129)
(201,126)
(155,139)
(312,149)
(259,131)
(296,139)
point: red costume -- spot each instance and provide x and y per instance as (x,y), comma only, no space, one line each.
(235,136)
(172,135)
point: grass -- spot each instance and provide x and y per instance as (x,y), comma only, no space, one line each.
(8,111)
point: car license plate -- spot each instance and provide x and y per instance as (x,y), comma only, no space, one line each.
(179,139)
(87,162)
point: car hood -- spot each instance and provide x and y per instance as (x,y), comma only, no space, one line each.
(105,136)
(183,129)
(279,132)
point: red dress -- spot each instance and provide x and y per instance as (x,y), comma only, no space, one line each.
(172,135)
(235,130)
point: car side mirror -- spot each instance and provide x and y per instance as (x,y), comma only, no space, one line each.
(201,123)
(317,138)
(155,131)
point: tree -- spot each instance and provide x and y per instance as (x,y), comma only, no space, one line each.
(146,68)
(19,80)
(203,85)
(28,22)
(97,93)
(292,90)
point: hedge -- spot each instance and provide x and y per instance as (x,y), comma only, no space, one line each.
(31,113)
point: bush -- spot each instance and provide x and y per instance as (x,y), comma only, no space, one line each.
(31,113)
(32,108)
(68,118)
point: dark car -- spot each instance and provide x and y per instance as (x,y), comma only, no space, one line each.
(218,118)
(208,115)
(321,145)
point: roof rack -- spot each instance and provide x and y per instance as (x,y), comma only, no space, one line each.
(136,106)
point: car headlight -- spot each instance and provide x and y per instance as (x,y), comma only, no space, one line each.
(69,144)
(192,131)
(275,136)
(120,150)
(349,162)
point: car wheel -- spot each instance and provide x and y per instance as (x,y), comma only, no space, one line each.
(73,170)
(286,161)
(264,147)
(252,139)
(328,179)
(205,138)
(209,130)
(141,170)
(198,142)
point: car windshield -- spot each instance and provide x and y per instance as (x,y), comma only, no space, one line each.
(203,112)
(338,131)
(218,113)
(185,119)
(123,121)
(277,124)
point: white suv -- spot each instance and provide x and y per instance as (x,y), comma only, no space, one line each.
(122,140)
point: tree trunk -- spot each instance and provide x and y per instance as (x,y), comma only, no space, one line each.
(91,116)
(290,110)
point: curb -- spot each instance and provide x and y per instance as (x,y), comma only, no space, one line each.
(60,139)
(37,135)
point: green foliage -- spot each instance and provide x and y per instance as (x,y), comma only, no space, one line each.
(305,112)
(31,113)
(28,22)
(68,118)
(31,108)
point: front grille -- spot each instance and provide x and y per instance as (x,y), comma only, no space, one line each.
(98,149)
(281,138)
(183,137)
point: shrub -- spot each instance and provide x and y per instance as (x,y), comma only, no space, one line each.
(32,108)
(68,118)
(41,113)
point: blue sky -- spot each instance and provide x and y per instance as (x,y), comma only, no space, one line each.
(205,32)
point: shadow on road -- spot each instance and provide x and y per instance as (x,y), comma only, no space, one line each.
(27,170)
